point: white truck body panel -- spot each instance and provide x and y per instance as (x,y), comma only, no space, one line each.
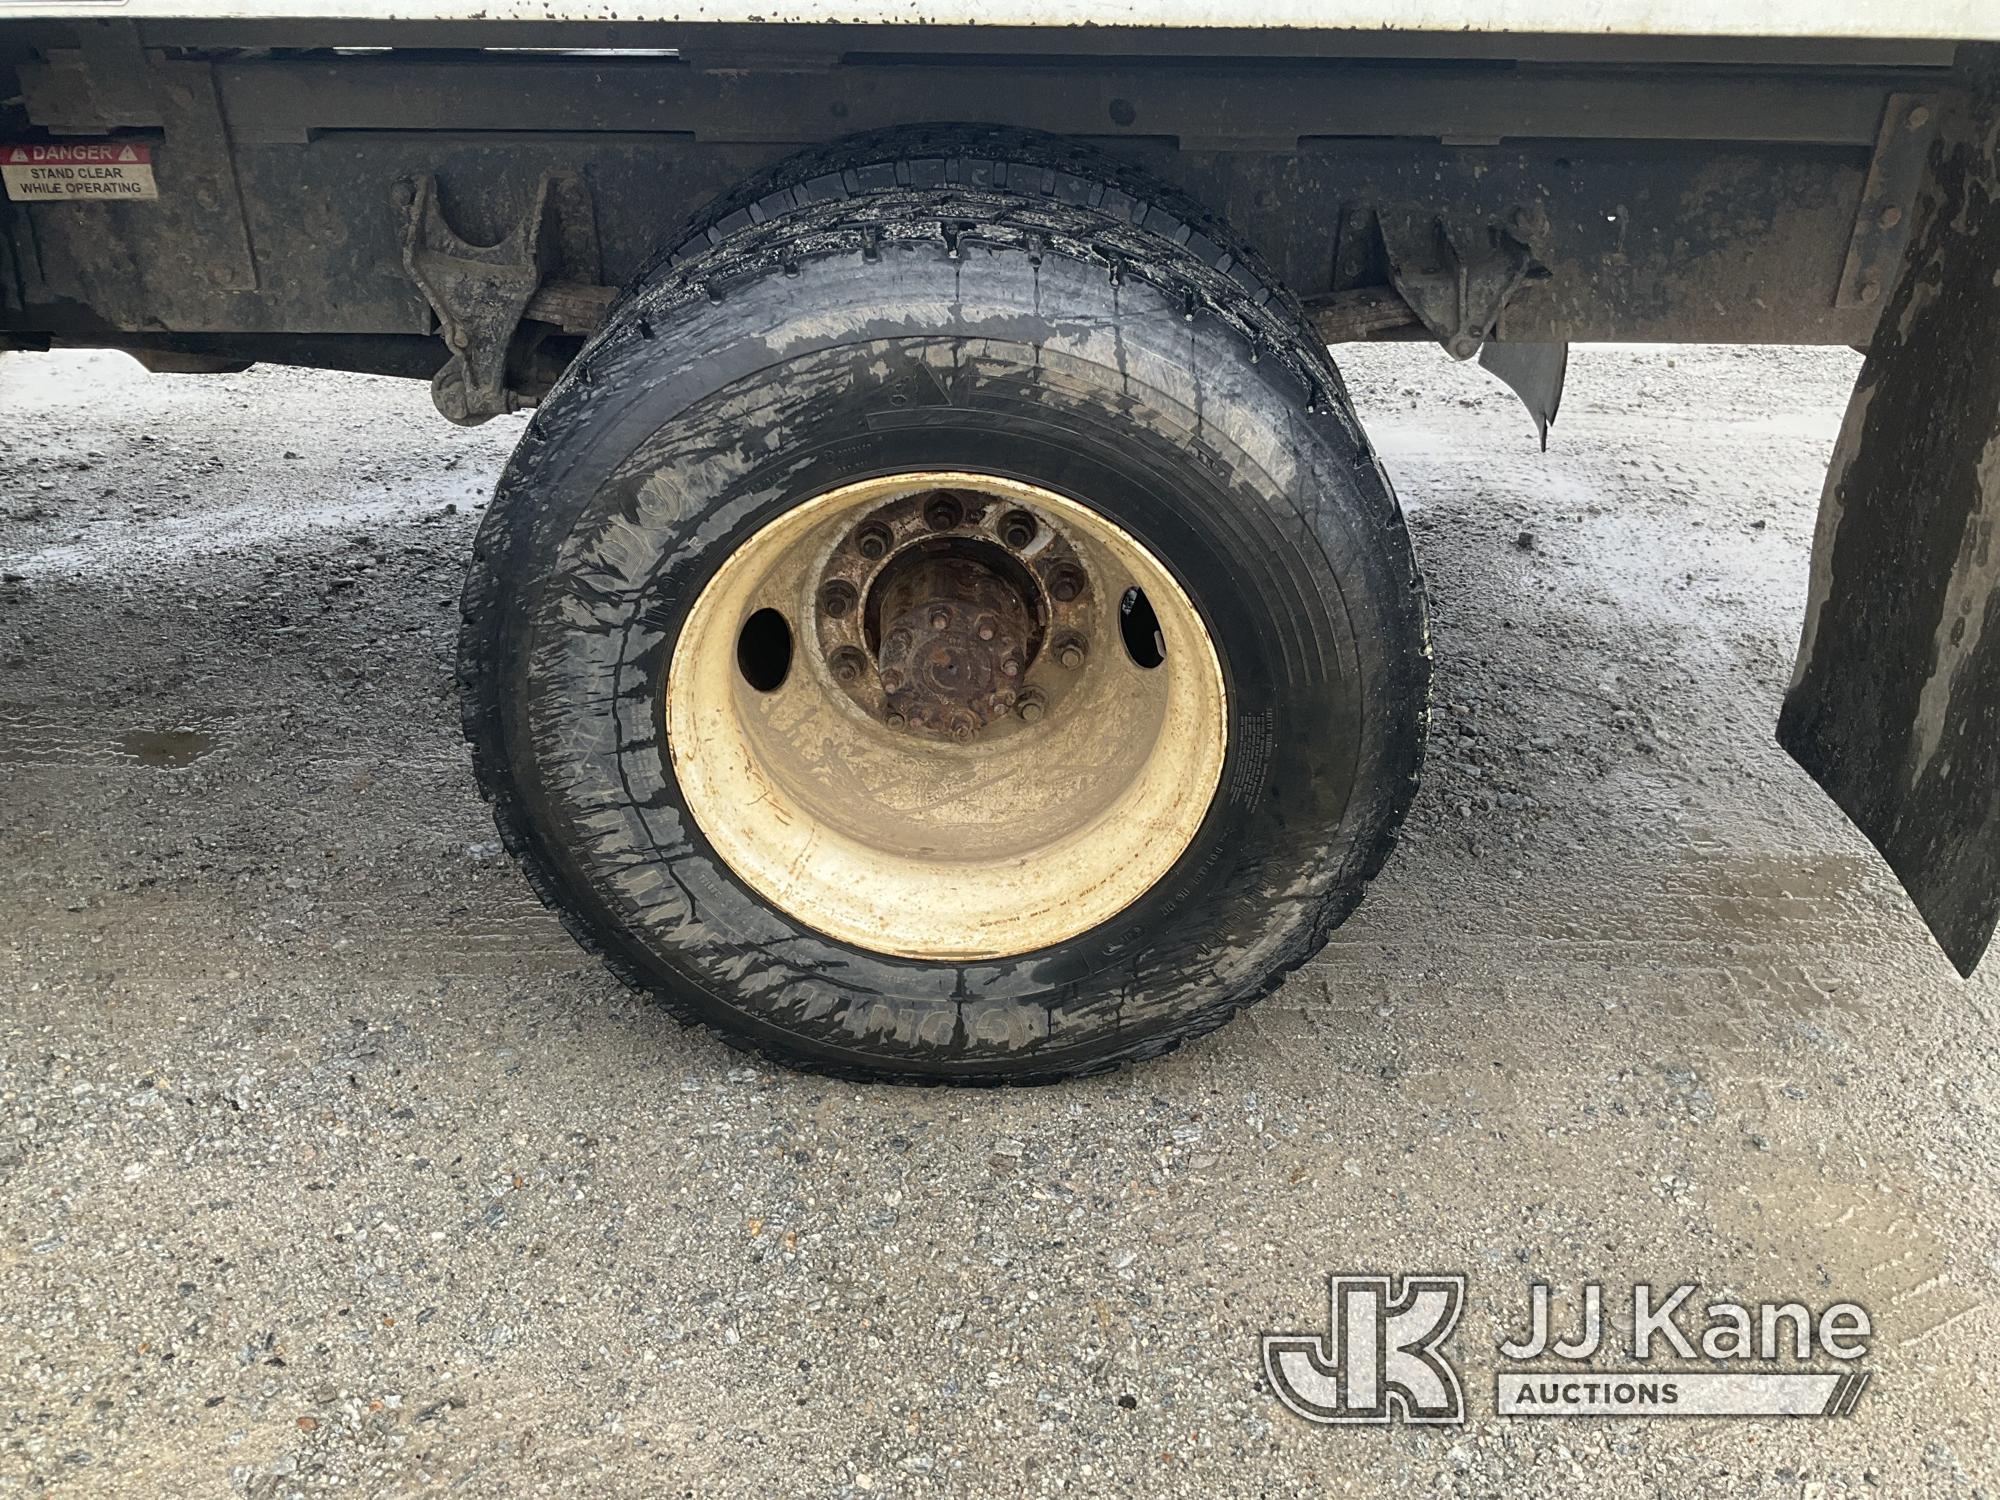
(1931,20)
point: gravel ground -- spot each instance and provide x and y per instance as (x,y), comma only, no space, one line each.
(327,1162)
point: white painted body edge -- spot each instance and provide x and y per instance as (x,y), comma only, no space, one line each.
(1933,20)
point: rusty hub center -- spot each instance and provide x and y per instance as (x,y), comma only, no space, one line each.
(945,611)
(957,637)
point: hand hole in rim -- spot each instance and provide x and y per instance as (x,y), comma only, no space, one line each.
(1139,627)
(764,650)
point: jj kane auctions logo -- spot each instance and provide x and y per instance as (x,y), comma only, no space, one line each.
(1386,1357)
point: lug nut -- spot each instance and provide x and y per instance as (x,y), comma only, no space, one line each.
(940,618)
(872,541)
(837,598)
(894,721)
(986,628)
(891,680)
(1017,529)
(848,664)
(1030,707)
(1065,583)
(942,513)
(1010,668)
(1071,651)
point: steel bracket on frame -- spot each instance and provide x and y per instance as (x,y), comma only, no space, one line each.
(480,293)
(1456,278)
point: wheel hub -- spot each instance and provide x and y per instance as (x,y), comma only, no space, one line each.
(957,639)
(946,613)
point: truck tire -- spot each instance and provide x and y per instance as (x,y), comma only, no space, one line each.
(948,625)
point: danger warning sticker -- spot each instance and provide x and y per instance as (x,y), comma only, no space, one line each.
(102,171)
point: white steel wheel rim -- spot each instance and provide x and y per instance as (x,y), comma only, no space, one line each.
(1026,835)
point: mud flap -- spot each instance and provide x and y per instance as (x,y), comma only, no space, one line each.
(1894,706)
(1535,373)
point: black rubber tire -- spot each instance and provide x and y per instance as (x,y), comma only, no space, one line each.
(950,298)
